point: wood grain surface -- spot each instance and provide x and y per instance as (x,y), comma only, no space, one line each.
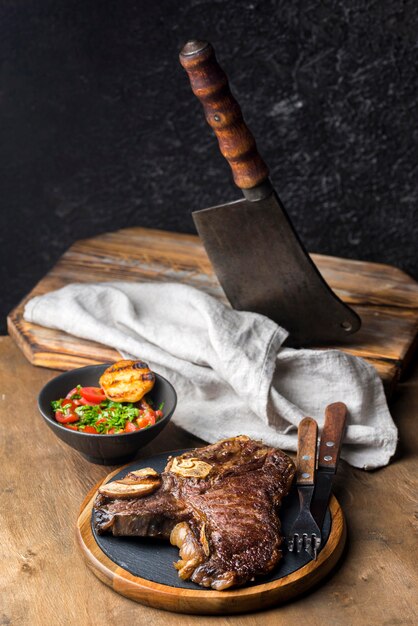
(45,582)
(385,298)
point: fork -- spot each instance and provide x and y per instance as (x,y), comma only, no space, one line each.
(305,534)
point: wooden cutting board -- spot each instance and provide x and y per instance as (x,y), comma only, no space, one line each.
(385,298)
(142,569)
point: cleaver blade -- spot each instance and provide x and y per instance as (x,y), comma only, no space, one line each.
(263,267)
(254,249)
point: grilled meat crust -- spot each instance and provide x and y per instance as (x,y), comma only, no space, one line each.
(127,381)
(225,521)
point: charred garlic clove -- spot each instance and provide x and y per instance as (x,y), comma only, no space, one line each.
(191,554)
(190,468)
(138,483)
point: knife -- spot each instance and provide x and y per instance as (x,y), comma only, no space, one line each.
(256,253)
(329,454)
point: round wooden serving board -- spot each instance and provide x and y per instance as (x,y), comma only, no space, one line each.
(142,569)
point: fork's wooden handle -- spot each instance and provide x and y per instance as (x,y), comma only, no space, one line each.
(332,435)
(210,84)
(306,458)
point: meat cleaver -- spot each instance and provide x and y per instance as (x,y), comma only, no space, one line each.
(254,249)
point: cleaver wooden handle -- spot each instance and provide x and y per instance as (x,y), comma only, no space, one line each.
(210,84)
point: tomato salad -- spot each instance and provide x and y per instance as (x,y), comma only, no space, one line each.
(88,410)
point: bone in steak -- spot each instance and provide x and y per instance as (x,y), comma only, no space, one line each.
(218,504)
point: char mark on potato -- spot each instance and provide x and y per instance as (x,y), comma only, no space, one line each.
(127,381)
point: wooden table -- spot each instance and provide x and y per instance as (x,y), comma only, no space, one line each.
(44,581)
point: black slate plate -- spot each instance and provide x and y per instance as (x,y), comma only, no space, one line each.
(153,559)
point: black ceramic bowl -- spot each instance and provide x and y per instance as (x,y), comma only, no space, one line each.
(103,449)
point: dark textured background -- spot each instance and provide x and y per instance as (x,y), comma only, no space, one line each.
(99,129)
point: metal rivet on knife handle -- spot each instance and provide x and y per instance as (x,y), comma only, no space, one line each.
(306,461)
(332,434)
(210,84)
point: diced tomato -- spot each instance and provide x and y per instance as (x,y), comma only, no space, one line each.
(71,426)
(93,395)
(83,402)
(68,406)
(90,429)
(67,415)
(148,419)
(73,392)
(66,418)
(101,420)
(158,414)
(150,415)
(130,427)
(142,422)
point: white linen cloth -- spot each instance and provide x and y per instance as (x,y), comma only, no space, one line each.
(230,371)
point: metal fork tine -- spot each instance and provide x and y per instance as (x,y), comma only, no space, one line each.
(305,535)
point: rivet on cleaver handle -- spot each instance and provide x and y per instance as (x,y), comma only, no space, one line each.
(210,84)
(257,255)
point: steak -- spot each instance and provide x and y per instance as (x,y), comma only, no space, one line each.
(219,504)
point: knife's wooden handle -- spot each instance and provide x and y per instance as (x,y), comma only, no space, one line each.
(210,84)
(306,458)
(332,435)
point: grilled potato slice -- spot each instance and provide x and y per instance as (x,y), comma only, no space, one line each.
(127,381)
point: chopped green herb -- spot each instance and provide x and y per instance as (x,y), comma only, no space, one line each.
(106,417)
(56,405)
(77,395)
(110,415)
